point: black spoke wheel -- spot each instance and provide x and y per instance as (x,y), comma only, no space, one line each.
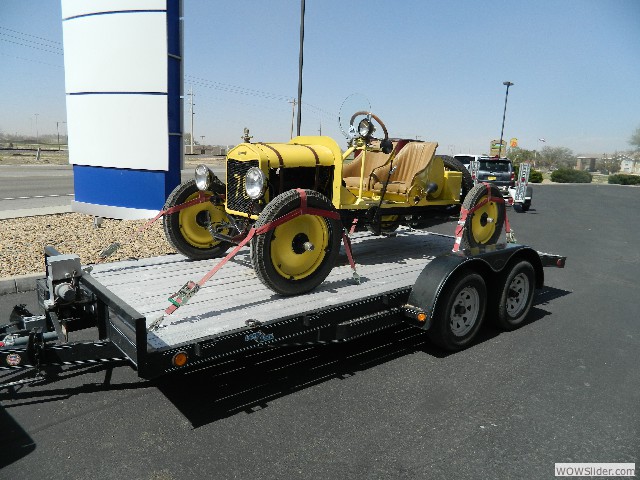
(387,224)
(296,256)
(186,230)
(451,163)
(460,312)
(516,296)
(484,225)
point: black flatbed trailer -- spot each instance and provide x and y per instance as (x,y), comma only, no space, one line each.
(412,277)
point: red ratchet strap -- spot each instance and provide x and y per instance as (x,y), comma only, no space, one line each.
(464,212)
(111,249)
(191,288)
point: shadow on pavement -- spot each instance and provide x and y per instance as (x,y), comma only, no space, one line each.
(15,443)
(247,384)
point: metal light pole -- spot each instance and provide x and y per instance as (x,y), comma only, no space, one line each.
(300,65)
(58,130)
(504,114)
(536,156)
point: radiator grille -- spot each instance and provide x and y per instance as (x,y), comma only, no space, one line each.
(237,198)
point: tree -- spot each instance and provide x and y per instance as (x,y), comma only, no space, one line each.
(635,139)
(609,164)
(556,156)
(519,155)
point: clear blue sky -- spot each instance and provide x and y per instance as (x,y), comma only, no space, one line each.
(430,69)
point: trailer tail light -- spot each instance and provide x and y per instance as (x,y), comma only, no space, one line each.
(180,359)
(415,313)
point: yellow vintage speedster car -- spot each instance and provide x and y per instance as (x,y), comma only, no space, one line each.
(377,184)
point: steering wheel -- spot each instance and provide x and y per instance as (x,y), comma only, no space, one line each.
(372,115)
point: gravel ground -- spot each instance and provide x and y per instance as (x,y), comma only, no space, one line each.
(22,240)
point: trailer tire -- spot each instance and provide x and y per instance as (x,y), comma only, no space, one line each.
(185,229)
(460,313)
(516,296)
(282,258)
(484,225)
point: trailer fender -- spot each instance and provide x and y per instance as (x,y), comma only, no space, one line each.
(492,263)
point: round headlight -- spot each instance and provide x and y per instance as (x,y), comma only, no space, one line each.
(203,177)
(365,128)
(255,183)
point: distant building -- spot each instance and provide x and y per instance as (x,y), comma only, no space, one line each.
(629,165)
(586,162)
(214,150)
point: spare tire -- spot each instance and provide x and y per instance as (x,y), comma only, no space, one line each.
(485,213)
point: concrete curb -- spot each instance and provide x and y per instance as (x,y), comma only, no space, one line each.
(19,284)
(34,212)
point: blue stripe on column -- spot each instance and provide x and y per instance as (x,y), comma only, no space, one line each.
(173,28)
(117,187)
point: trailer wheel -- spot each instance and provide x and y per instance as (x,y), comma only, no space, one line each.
(461,312)
(186,229)
(484,225)
(296,256)
(516,296)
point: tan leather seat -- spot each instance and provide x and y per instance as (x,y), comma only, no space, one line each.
(411,164)
(351,171)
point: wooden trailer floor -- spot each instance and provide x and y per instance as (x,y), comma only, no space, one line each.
(235,295)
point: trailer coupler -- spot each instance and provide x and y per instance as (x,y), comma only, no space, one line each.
(14,359)
(37,355)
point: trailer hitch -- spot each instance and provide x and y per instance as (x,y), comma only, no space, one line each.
(33,354)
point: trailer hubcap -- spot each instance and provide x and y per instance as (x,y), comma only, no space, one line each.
(464,312)
(298,246)
(483,222)
(518,295)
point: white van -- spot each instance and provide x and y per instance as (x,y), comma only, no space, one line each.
(467,159)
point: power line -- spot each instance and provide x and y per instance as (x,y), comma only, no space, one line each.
(235,88)
(30,46)
(30,60)
(29,35)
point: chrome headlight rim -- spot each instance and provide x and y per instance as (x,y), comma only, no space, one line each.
(203,178)
(366,128)
(255,183)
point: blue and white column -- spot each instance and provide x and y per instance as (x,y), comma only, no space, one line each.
(123,77)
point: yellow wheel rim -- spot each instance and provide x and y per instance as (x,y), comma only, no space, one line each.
(290,246)
(192,222)
(483,223)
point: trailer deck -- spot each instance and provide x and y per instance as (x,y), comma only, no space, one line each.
(402,279)
(235,296)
